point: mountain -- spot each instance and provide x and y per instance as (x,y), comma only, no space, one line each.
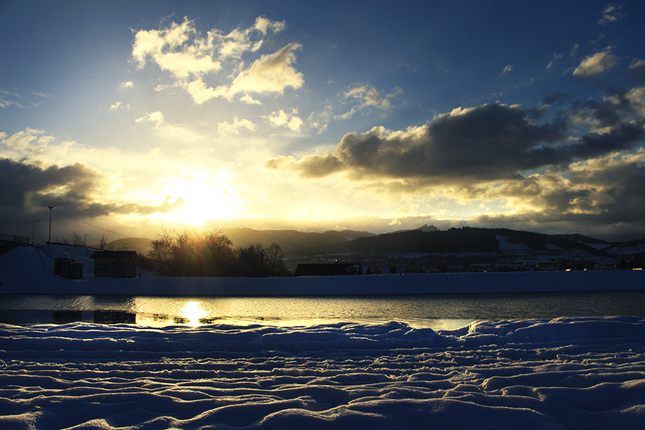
(583,239)
(457,240)
(292,242)
(424,240)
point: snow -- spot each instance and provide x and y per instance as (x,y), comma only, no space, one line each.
(535,374)
(505,245)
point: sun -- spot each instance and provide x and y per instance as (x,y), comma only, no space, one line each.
(207,196)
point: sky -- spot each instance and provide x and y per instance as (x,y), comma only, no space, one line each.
(135,116)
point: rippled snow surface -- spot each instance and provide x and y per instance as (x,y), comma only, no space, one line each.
(585,373)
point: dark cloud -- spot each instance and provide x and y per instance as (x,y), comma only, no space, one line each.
(26,191)
(603,196)
(482,144)
(21,182)
(636,71)
(557,97)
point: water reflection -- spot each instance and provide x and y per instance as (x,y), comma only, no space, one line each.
(192,314)
(114,317)
(436,312)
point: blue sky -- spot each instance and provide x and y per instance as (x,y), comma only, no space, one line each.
(136,116)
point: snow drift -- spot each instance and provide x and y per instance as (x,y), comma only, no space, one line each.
(535,374)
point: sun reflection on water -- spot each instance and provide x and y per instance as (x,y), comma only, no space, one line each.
(192,313)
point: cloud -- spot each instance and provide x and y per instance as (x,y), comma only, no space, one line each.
(126,84)
(477,145)
(190,58)
(272,73)
(585,165)
(238,41)
(508,69)
(156,117)
(250,100)
(487,142)
(226,128)
(167,131)
(611,13)
(289,120)
(367,97)
(8,99)
(604,193)
(177,49)
(119,105)
(26,190)
(596,63)
(637,70)
(23,139)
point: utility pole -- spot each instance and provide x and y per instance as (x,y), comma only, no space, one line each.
(50,224)
(85,239)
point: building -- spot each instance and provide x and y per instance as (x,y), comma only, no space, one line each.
(330,269)
(115,264)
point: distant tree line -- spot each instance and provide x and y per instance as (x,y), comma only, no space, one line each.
(211,254)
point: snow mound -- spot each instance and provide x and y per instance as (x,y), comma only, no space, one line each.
(536,374)
(37,262)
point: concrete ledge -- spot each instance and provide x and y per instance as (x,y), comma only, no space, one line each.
(452,283)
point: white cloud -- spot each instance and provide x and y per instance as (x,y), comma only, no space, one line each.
(250,100)
(23,139)
(611,13)
(289,120)
(127,84)
(202,93)
(172,51)
(367,97)
(170,132)
(189,57)
(507,70)
(234,44)
(596,63)
(156,117)
(119,105)
(271,73)
(227,128)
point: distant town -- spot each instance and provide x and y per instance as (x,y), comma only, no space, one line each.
(244,252)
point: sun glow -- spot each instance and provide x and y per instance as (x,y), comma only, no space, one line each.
(192,313)
(206,198)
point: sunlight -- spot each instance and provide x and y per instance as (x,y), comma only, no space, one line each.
(206,197)
(192,313)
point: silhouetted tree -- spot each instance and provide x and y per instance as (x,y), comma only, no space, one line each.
(274,261)
(189,252)
(77,240)
(257,261)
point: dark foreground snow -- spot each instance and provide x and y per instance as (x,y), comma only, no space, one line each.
(535,374)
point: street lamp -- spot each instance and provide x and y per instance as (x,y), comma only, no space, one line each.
(50,224)
(33,230)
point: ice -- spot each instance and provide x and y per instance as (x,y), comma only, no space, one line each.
(565,373)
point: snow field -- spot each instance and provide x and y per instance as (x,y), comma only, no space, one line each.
(586,373)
